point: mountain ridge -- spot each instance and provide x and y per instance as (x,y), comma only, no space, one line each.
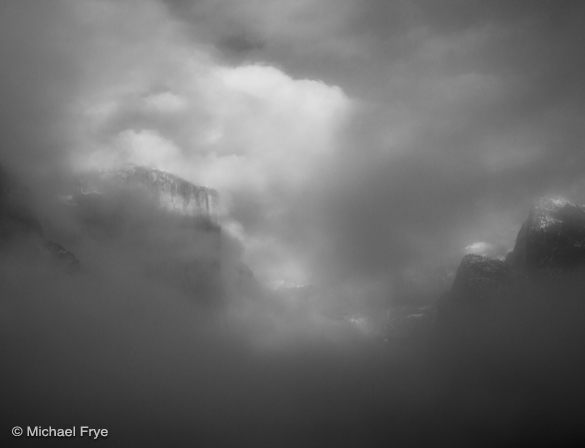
(172,193)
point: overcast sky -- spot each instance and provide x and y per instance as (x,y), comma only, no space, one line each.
(348,138)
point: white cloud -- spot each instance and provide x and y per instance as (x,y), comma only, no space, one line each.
(278,127)
(249,129)
(165,102)
(480,248)
(146,148)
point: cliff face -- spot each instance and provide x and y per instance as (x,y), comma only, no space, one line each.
(551,239)
(543,266)
(156,226)
(479,276)
(553,236)
(170,192)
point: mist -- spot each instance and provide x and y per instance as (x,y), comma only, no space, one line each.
(359,149)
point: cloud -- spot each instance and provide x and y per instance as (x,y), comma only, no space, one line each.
(145,147)
(241,31)
(165,102)
(41,77)
(252,131)
(350,137)
(279,126)
(354,140)
(468,112)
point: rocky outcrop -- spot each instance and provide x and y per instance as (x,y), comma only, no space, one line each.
(168,226)
(480,286)
(551,240)
(553,237)
(479,277)
(169,192)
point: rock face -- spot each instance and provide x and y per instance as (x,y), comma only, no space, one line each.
(480,285)
(18,223)
(170,192)
(117,202)
(479,277)
(169,228)
(552,237)
(551,240)
(16,220)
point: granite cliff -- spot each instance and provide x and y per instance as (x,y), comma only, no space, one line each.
(541,276)
(163,226)
(169,192)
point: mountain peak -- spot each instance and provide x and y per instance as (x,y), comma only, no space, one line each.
(553,235)
(550,211)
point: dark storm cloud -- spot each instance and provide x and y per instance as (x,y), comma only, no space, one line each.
(221,23)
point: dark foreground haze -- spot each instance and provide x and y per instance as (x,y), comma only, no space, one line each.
(115,351)
(293,223)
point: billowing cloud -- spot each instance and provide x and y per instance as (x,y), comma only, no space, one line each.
(257,134)
(468,112)
(350,137)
